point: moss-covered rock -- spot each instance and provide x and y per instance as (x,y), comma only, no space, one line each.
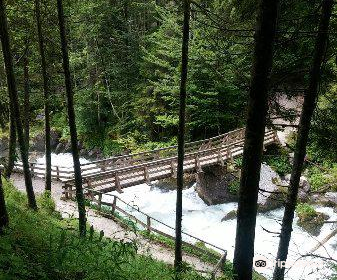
(309,219)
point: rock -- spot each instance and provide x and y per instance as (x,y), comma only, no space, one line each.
(271,194)
(3,147)
(231,215)
(54,139)
(59,148)
(169,184)
(38,142)
(329,199)
(313,224)
(213,185)
(304,184)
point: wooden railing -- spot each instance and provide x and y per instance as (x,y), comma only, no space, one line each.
(147,222)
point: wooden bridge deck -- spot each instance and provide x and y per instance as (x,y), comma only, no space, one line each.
(126,171)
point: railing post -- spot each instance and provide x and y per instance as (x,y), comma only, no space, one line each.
(65,191)
(220,159)
(229,153)
(197,164)
(113,207)
(173,170)
(57,173)
(118,184)
(99,204)
(146,175)
(148,224)
(32,168)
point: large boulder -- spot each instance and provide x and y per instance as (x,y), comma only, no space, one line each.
(38,141)
(328,199)
(213,185)
(170,184)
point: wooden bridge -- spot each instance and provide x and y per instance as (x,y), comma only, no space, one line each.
(120,172)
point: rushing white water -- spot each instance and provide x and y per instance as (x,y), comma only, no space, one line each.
(205,223)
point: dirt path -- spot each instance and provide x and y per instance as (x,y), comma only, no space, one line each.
(111,228)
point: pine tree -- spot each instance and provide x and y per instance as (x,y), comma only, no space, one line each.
(46,96)
(309,105)
(71,119)
(255,129)
(15,107)
(181,135)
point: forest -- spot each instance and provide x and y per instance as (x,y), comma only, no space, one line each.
(149,104)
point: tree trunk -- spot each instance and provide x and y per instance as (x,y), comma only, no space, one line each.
(181,134)
(12,145)
(255,129)
(46,96)
(302,137)
(72,124)
(13,96)
(26,113)
(3,209)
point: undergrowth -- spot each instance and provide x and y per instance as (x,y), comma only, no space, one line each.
(42,245)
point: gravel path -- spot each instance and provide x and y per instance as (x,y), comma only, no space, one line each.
(111,228)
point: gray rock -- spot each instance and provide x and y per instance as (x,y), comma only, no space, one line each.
(169,184)
(271,194)
(231,215)
(329,199)
(213,185)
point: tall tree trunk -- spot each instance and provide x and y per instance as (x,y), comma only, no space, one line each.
(255,129)
(3,209)
(302,137)
(26,119)
(12,145)
(71,119)
(46,96)
(13,96)
(181,134)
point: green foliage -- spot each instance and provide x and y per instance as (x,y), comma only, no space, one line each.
(323,179)
(305,211)
(309,219)
(278,159)
(234,187)
(46,202)
(38,245)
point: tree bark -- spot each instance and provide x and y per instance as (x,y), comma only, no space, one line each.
(71,119)
(12,145)
(13,96)
(181,134)
(3,210)
(254,137)
(46,96)
(26,119)
(309,105)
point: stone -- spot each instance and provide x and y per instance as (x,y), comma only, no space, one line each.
(231,215)
(314,224)
(213,185)
(329,199)
(170,184)
(271,193)
(38,142)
